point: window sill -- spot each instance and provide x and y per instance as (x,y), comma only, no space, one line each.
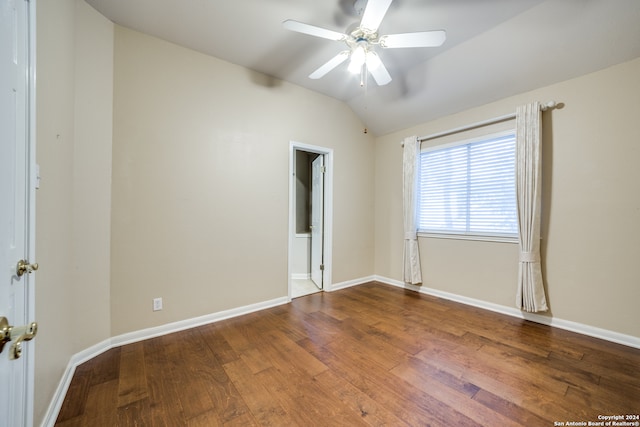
(499,239)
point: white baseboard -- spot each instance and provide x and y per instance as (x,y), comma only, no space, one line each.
(169,328)
(350,283)
(568,325)
(53,410)
(79,358)
(301,276)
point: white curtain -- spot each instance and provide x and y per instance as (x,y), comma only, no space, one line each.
(412,273)
(530,295)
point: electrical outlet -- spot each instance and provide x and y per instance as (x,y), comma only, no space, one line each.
(157,304)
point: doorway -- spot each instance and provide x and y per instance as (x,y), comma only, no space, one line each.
(310,202)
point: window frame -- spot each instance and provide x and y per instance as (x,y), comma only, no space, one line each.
(476,236)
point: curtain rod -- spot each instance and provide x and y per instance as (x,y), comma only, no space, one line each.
(468,127)
(543,107)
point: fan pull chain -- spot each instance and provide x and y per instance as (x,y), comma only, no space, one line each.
(363,83)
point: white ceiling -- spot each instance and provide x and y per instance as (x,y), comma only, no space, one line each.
(494,48)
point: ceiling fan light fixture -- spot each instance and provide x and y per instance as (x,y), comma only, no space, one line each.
(358,58)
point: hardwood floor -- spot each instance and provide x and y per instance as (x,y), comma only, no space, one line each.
(367,355)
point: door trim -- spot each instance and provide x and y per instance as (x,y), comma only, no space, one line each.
(328,211)
(32,185)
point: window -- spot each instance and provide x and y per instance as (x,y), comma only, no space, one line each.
(468,188)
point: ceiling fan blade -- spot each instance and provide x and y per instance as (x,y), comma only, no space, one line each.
(421,39)
(374,13)
(377,69)
(330,65)
(312,30)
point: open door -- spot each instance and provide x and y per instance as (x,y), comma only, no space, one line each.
(16,195)
(317,220)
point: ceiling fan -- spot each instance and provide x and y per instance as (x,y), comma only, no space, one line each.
(363,39)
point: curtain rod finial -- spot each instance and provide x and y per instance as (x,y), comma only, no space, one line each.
(548,105)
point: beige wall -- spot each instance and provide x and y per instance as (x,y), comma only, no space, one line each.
(92,174)
(73,139)
(201,181)
(591,206)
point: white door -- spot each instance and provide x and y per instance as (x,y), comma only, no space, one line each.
(15,197)
(317,219)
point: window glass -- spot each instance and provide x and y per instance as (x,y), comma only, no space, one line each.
(468,188)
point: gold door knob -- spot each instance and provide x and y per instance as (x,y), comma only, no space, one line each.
(22,333)
(24,267)
(17,334)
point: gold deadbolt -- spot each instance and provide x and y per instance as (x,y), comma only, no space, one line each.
(24,267)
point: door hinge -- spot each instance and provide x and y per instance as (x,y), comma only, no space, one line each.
(321,267)
(323,169)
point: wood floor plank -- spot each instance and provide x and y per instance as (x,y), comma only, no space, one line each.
(76,398)
(358,402)
(104,367)
(219,346)
(210,418)
(132,381)
(286,353)
(197,373)
(241,339)
(73,422)
(290,322)
(256,395)
(133,414)
(320,328)
(101,409)
(463,363)
(408,403)
(226,399)
(557,371)
(245,420)
(366,355)
(509,409)
(414,315)
(484,327)
(398,337)
(540,339)
(401,314)
(305,402)
(163,382)
(375,357)
(534,374)
(450,391)
(604,401)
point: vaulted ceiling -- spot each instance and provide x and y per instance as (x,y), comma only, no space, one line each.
(494,48)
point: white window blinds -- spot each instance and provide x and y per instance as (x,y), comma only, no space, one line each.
(469,188)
